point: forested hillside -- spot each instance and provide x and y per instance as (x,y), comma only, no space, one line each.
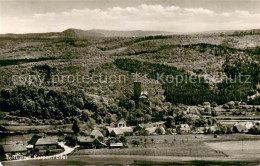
(219,55)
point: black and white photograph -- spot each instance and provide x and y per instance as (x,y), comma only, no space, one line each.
(129,82)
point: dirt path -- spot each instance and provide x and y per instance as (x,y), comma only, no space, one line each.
(67,150)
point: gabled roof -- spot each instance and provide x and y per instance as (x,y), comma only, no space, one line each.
(121,130)
(14,148)
(19,139)
(121,120)
(47,141)
(96,133)
(85,139)
(151,129)
(241,128)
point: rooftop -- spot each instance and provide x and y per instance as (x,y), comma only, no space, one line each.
(96,133)
(121,120)
(116,144)
(121,130)
(14,148)
(85,139)
(19,139)
(47,141)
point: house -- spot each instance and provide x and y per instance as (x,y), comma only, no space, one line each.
(96,134)
(161,130)
(152,127)
(121,123)
(240,128)
(116,145)
(151,130)
(144,96)
(202,130)
(155,124)
(47,143)
(19,139)
(87,142)
(173,131)
(247,124)
(206,105)
(120,131)
(199,130)
(15,152)
(184,128)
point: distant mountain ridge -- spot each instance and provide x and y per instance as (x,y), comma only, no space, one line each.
(78,33)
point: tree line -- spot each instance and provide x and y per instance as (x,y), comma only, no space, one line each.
(189,93)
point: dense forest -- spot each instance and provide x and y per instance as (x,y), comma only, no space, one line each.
(195,92)
(42,104)
(137,40)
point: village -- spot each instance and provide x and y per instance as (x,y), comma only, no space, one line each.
(196,120)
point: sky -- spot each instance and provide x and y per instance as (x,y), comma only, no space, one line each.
(31,16)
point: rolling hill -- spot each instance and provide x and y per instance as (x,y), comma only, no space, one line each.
(78,33)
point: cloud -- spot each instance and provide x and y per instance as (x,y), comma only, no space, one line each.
(143,17)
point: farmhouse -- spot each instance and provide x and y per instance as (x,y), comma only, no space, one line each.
(19,139)
(47,143)
(14,152)
(87,142)
(120,131)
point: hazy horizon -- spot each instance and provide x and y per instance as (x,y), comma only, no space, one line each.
(93,29)
(185,16)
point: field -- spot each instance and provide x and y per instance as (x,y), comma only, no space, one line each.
(225,147)
(128,160)
(186,150)
(238,149)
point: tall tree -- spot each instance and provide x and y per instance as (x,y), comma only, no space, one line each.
(75,127)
